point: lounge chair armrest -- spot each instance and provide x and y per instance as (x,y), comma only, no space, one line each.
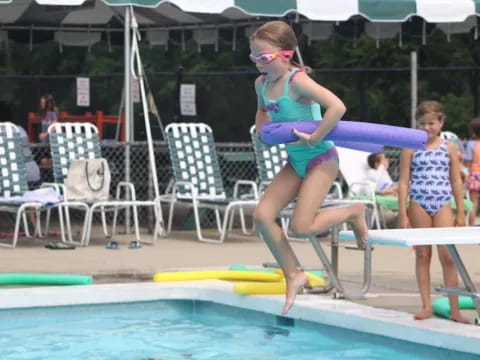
(187,184)
(164,197)
(240,183)
(263,185)
(129,188)
(337,190)
(367,188)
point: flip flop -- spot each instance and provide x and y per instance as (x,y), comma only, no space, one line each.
(135,245)
(112,245)
(58,245)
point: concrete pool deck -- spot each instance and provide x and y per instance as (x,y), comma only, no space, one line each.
(393,279)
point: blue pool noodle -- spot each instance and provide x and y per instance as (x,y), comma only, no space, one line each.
(362,146)
(351,131)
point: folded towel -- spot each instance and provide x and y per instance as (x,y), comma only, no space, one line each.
(46,196)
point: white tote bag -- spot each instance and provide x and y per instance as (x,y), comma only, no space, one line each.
(88,180)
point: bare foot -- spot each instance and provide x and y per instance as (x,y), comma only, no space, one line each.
(424,314)
(293,286)
(459,318)
(360,228)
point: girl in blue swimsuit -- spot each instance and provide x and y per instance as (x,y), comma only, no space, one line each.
(286,93)
(430,178)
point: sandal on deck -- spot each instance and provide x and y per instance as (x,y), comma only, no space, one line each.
(58,245)
(112,245)
(135,245)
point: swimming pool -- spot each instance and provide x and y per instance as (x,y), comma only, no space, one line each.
(203,321)
(180,329)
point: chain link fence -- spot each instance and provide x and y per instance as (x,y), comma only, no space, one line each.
(227,102)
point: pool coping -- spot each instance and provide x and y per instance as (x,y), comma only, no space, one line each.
(316,308)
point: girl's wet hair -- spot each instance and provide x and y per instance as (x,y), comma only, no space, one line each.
(430,107)
(279,34)
(475,127)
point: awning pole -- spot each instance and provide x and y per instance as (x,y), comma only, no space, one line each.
(137,73)
(128,105)
(299,55)
(413,82)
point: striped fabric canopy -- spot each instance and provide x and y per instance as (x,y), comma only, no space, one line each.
(169,12)
(374,10)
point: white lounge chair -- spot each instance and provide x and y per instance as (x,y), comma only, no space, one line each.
(354,168)
(69,141)
(198,179)
(14,196)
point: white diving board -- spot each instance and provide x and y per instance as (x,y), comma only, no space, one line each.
(420,236)
(448,236)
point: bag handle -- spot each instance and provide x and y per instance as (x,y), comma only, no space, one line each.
(88,180)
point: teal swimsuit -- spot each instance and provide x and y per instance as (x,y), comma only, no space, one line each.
(301,158)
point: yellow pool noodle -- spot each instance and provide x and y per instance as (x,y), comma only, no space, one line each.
(313,280)
(216,275)
(259,288)
(272,288)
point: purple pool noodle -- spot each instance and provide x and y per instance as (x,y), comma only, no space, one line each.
(367,147)
(281,132)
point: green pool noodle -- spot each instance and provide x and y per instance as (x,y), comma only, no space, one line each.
(44,279)
(441,306)
(317,273)
(244,268)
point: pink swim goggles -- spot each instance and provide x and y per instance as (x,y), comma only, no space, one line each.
(268,57)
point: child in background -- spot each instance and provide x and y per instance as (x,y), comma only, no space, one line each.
(472,159)
(285,92)
(450,136)
(50,116)
(429,177)
(378,174)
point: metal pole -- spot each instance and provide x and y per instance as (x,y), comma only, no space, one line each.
(140,77)
(413,81)
(178,82)
(128,105)
(299,55)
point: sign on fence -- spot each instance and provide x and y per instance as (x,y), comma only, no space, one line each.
(187,100)
(83,91)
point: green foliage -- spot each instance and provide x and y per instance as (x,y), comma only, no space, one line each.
(228,102)
(458,113)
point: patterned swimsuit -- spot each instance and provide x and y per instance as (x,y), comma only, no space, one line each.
(430,178)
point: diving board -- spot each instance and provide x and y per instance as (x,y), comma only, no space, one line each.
(448,236)
(420,236)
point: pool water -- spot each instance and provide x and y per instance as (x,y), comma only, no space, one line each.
(183,330)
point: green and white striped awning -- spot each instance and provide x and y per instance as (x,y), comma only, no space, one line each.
(194,11)
(327,10)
